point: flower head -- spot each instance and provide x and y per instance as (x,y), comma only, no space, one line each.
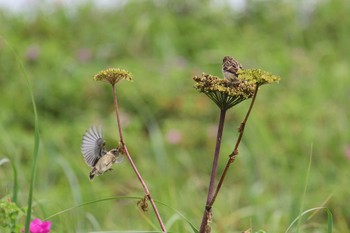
(226,93)
(223,92)
(257,76)
(38,226)
(113,75)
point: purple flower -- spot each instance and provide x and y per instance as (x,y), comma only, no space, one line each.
(38,226)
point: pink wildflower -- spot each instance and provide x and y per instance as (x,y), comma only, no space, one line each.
(38,226)
(174,136)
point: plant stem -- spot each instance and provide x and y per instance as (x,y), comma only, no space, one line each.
(144,186)
(235,150)
(117,114)
(207,210)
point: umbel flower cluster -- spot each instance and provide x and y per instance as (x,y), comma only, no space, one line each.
(113,75)
(225,93)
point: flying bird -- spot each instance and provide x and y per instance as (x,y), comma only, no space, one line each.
(95,154)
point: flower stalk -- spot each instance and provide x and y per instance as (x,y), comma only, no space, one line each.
(226,93)
(207,211)
(128,156)
(234,153)
(113,76)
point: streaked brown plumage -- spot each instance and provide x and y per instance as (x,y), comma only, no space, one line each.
(95,154)
(230,68)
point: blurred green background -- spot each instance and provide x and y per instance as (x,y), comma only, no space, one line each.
(169,127)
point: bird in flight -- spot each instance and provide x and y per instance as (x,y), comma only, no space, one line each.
(95,154)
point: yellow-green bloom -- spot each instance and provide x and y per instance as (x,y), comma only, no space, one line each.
(223,92)
(113,75)
(226,93)
(257,76)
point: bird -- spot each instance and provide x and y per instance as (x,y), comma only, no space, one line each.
(95,154)
(230,68)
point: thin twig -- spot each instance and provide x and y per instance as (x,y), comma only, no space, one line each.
(144,186)
(235,150)
(207,210)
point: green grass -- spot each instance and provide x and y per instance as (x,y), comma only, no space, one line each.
(164,46)
(35,147)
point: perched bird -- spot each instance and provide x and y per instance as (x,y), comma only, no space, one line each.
(95,154)
(230,67)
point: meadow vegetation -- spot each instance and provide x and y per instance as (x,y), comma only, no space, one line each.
(169,127)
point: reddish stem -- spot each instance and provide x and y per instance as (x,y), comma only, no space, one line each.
(207,210)
(235,150)
(144,186)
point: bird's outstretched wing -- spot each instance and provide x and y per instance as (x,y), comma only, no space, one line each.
(93,145)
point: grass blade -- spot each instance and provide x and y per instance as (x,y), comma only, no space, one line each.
(195,230)
(15,183)
(305,189)
(329,218)
(89,203)
(315,210)
(36,138)
(10,146)
(35,159)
